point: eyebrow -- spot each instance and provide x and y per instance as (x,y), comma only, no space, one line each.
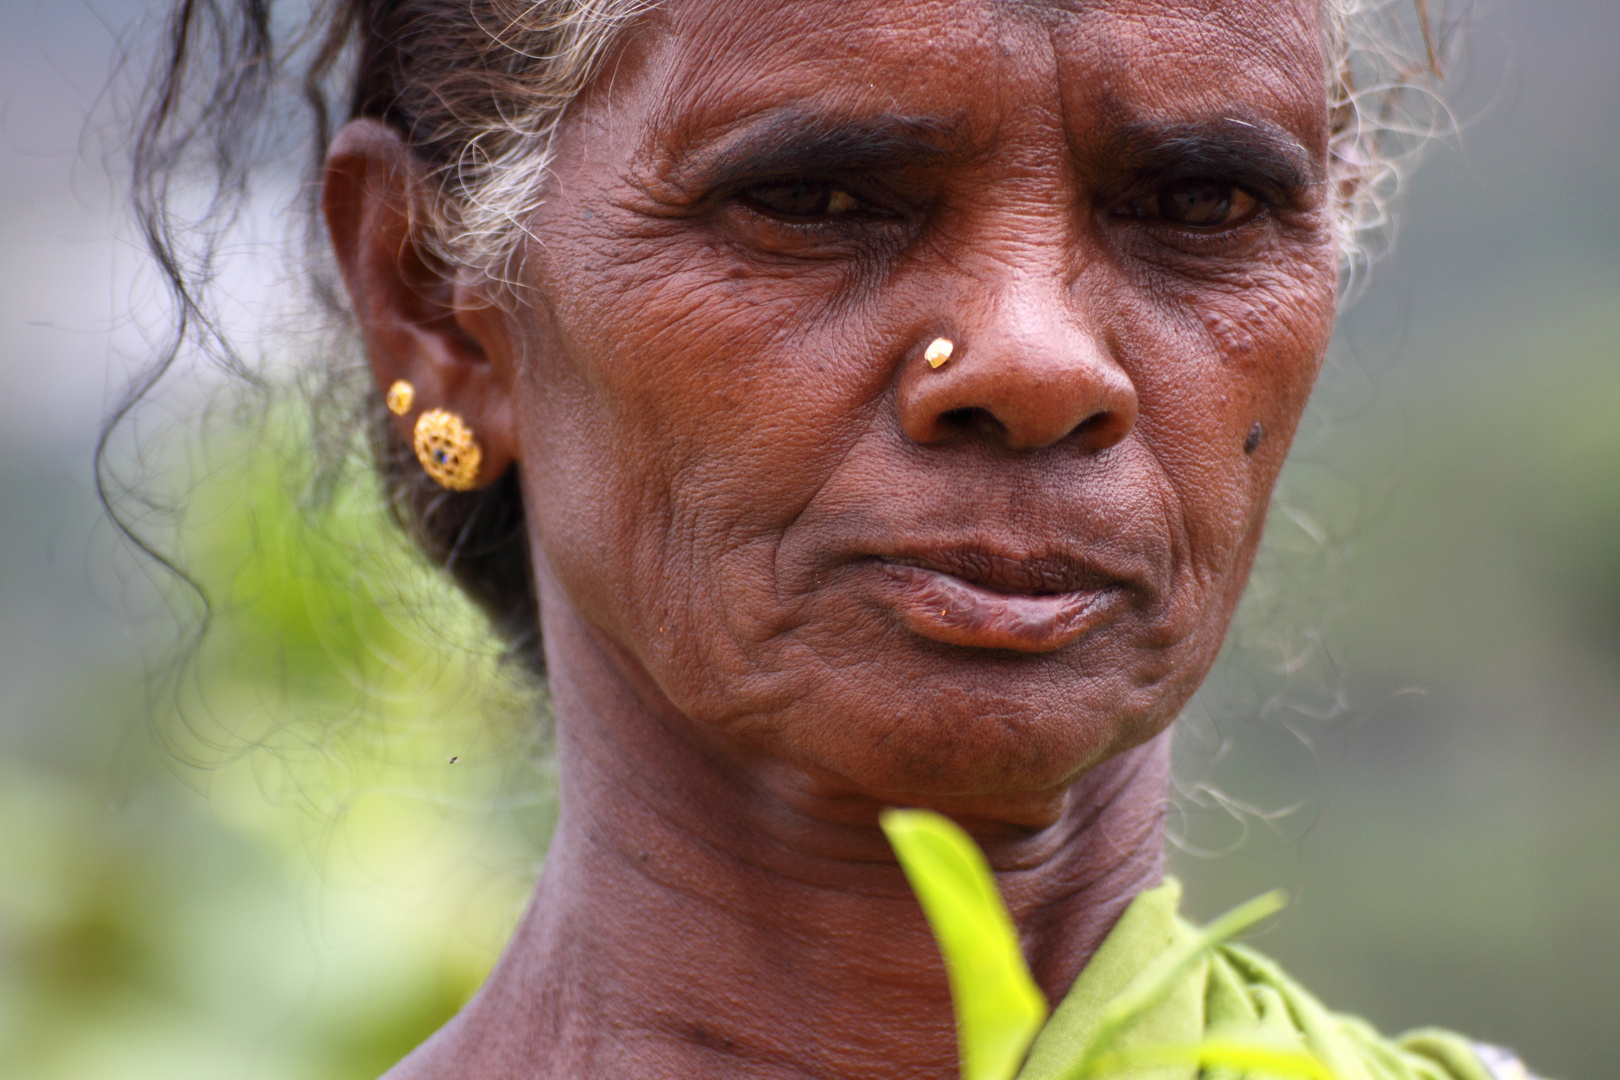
(792,141)
(1257,152)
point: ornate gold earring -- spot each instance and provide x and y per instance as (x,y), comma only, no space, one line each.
(447,450)
(400,397)
(939,350)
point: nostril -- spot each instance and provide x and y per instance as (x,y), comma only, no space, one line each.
(1103,429)
(1092,424)
(972,419)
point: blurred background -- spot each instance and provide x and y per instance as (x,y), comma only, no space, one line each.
(295,856)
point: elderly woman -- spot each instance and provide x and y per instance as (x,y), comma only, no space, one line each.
(849,405)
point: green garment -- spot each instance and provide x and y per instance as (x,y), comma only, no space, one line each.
(1231,985)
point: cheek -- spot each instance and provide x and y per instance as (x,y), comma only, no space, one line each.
(678,446)
(1270,330)
(1212,359)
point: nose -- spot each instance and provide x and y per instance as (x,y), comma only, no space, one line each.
(1029,375)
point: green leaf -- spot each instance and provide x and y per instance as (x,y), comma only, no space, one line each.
(1243,1051)
(1156,981)
(1246,1056)
(999,1009)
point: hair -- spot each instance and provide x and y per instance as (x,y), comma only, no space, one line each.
(477,88)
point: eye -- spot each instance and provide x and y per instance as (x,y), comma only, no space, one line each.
(803,199)
(1202,203)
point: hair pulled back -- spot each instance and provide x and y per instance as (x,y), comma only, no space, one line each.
(476,87)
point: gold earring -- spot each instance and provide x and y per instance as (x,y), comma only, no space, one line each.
(939,350)
(447,450)
(400,397)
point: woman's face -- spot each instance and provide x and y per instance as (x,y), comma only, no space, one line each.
(979,579)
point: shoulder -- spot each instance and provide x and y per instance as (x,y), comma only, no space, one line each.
(1502,1063)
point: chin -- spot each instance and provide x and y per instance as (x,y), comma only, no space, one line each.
(953,740)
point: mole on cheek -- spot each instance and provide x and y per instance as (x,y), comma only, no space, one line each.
(1252,440)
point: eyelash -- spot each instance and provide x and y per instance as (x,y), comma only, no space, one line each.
(863,230)
(830,194)
(1149,203)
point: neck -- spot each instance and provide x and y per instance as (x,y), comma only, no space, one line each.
(703,916)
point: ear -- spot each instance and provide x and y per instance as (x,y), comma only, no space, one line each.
(421,320)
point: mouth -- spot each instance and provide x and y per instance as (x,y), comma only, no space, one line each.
(979,600)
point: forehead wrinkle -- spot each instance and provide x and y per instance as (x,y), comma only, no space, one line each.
(1218,70)
(820,82)
(717,83)
(1197,32)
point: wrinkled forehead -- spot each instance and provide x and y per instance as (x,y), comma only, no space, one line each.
(986,64)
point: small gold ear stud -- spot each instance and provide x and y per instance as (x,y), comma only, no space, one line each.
(938,351)
(400,396)
(447,450)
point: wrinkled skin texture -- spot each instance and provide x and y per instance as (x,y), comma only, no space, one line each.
(789,573)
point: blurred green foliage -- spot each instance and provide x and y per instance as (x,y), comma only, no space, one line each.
(364,798)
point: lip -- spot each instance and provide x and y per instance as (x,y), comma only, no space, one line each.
(969,598)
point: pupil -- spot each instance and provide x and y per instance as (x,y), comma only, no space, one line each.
(798,199)
(1204,202)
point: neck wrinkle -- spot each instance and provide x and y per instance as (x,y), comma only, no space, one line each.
(692,921)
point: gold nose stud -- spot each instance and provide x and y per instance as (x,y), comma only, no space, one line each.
(939,350)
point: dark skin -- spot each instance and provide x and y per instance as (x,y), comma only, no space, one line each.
(789,573)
